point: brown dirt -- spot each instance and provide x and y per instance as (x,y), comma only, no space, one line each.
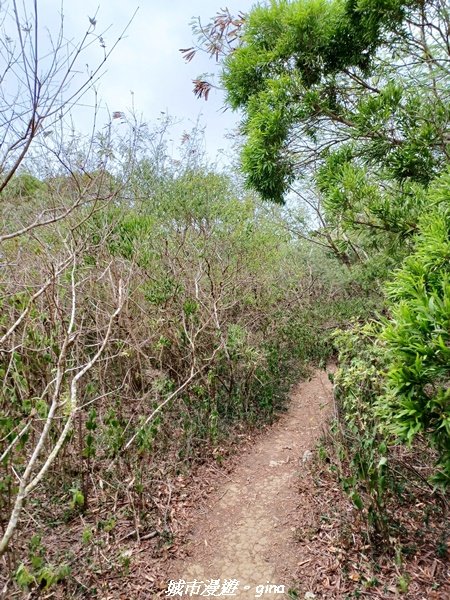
(246,531)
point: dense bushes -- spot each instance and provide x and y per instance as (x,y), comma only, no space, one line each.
(418,338)
(392,384)
(175,316)
(152,308)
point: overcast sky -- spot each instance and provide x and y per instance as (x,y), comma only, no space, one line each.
(148,62)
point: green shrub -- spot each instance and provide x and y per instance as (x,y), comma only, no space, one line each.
(418,340)
(361,441)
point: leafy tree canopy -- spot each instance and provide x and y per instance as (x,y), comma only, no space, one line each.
(351,94)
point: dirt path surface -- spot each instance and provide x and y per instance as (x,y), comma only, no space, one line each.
(247,533)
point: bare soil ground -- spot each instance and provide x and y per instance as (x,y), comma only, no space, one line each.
(246,533)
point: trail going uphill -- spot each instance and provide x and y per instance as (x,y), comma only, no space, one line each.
(247,534)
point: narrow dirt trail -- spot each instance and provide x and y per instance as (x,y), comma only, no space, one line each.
(247,533)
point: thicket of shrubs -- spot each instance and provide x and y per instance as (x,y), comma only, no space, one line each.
(140,332)
(392,384)
(151,308)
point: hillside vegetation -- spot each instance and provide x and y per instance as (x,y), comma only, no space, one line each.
(154,309)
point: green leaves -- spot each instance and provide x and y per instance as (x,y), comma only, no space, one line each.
(341,101)
(77,498)
(418,336)
(318,53)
